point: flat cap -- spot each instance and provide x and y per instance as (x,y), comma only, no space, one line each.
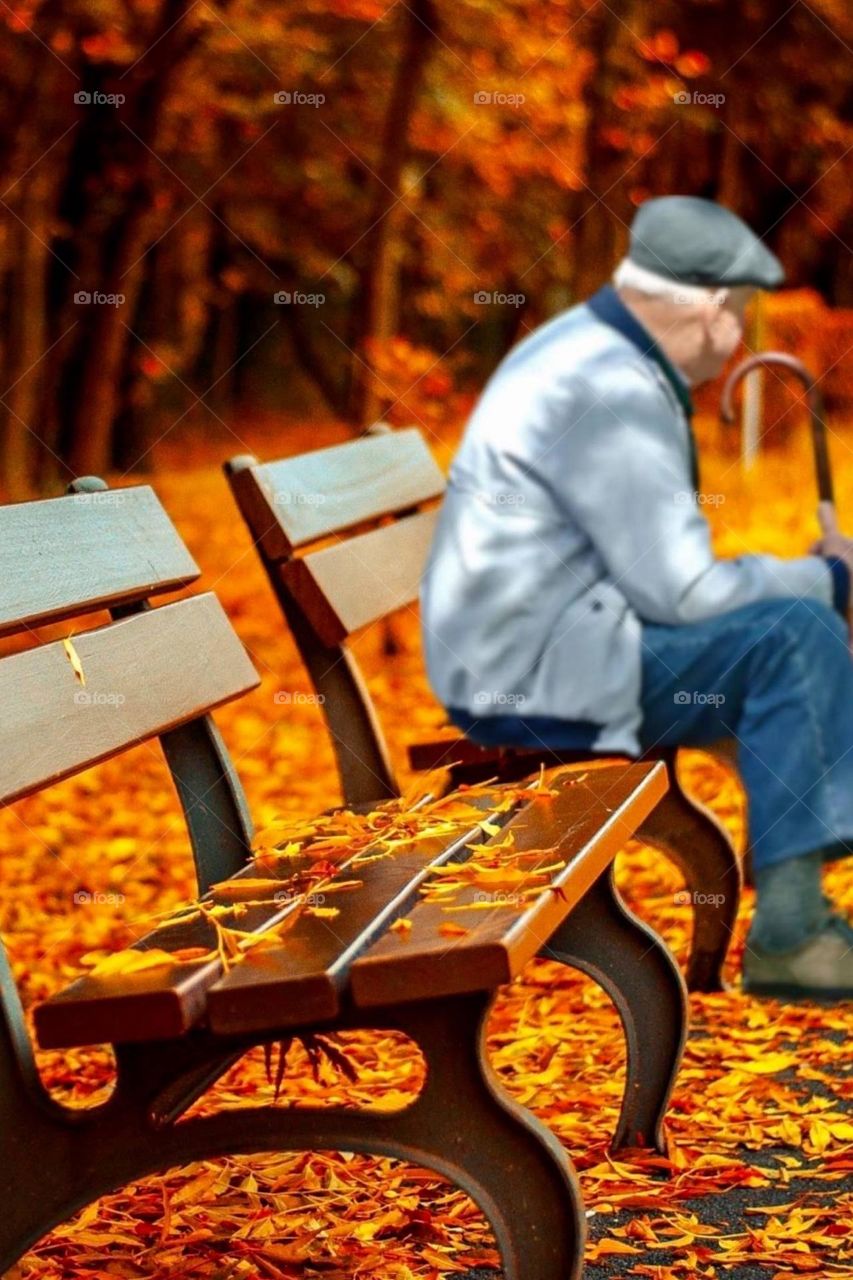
(700,242)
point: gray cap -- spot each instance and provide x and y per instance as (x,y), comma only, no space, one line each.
(697,241)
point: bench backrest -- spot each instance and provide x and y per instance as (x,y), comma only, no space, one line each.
(343,533)
(149,672)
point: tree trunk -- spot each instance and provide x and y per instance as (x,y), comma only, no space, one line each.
(27,344)
(95,401)
(595,233)
(376,313)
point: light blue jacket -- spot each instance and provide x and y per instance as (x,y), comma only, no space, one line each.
(571,517)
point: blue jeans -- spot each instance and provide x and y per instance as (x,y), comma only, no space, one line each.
(777,677)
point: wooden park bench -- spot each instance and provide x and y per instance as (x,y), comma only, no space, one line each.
(343,533)
(156,672)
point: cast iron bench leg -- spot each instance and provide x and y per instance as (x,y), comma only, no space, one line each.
(57,1159)
(513,1166)
(630,962)
(463,1125)
(692,837)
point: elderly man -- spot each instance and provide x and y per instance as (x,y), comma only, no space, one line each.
(572,597)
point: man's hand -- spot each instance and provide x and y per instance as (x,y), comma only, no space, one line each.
(834,543)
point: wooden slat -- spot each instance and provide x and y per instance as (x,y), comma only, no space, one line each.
(346,586)
(587,824)
(85,552)
(302,980)
(298,500)
(154,1004)
(167,1001)
(151,1004)
(507,762)
(144,674)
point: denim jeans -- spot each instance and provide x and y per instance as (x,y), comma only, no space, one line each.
(777,676)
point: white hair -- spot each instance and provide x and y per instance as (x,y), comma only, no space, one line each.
(628,275)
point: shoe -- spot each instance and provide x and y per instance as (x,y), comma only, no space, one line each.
(821,969)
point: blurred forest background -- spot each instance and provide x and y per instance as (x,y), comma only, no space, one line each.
(173,171)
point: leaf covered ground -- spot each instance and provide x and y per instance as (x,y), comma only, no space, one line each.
(760,1176)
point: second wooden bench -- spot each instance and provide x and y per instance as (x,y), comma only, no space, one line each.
(343,533)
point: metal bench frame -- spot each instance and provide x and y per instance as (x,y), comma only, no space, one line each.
(56,1159)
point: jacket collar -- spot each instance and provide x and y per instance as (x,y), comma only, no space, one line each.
(610,308)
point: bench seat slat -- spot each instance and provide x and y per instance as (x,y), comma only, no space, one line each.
(167,1001)
(301,499)
(303,979)
(351,584)
(85,552)
(152,1003)
(588,822)
(144,674)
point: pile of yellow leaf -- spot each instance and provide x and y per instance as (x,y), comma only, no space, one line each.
(759,1180)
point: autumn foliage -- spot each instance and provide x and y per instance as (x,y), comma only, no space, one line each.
(196,161)
(442,159)
(759,1179)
